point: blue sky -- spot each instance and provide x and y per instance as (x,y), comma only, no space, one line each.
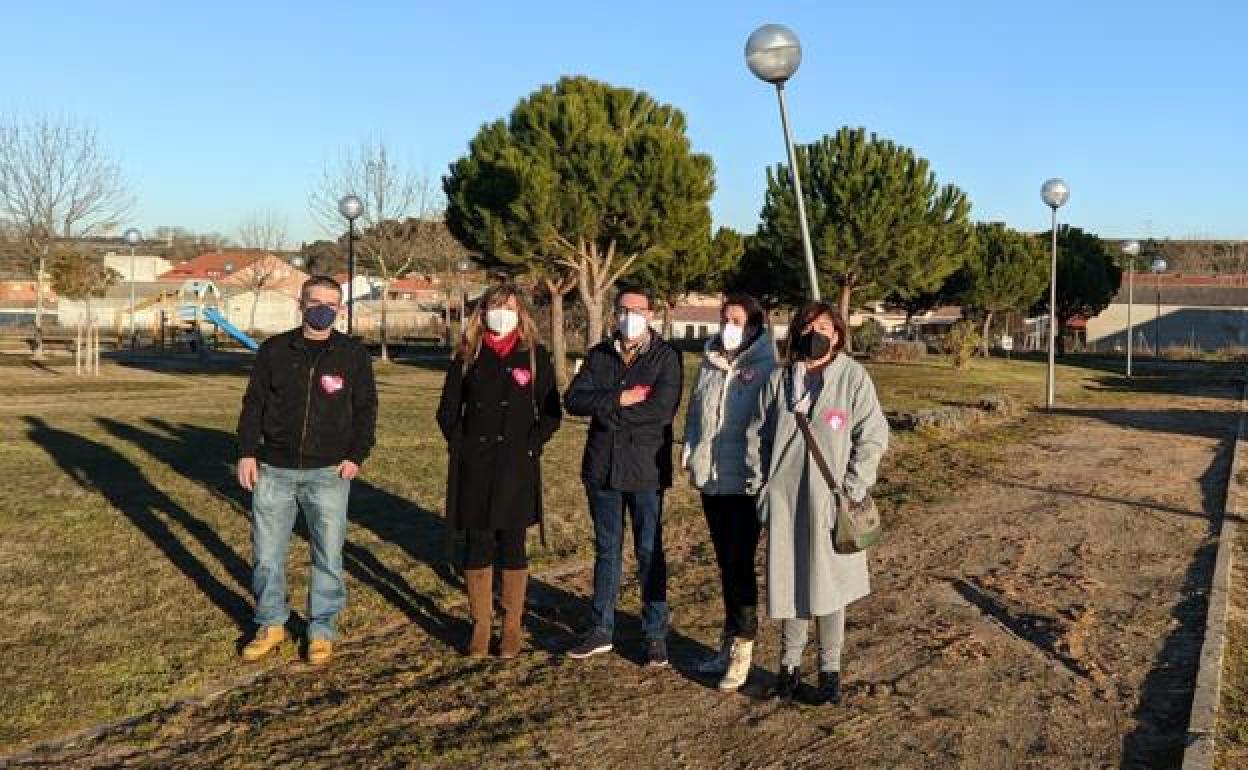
(218,109)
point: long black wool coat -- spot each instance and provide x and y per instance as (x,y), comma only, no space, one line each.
(496,418)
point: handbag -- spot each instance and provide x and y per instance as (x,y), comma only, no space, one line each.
(858,526)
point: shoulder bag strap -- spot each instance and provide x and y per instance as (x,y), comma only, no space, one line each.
(804,423)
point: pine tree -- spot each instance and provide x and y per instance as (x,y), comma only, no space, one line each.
(583,183)
(1087,278)
(880,224)
(1006,270)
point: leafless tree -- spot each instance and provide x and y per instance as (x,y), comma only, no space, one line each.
(392,194)
(56,181)
(266,232)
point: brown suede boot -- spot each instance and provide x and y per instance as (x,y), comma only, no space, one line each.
(480,583)
(514,582)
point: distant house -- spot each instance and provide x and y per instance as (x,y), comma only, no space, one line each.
(1206,312)
(213,265)
(146,266)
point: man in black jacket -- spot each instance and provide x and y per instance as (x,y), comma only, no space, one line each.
(630,386)
(307,425)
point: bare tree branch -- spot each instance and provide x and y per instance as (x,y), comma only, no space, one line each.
(56,181)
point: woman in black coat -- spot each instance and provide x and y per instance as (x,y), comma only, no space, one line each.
(499,407)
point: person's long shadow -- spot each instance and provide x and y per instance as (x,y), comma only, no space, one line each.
(554,615)
(1166,696)
(205,455)
(101,468)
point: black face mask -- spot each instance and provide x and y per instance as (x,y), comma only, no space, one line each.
(812,346)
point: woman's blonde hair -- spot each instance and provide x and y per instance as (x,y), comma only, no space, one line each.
(475,328)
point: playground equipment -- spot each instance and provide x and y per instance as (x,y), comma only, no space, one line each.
(212,316)
(201,302)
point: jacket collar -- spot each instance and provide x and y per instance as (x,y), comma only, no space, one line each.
(298,341)
(756,352)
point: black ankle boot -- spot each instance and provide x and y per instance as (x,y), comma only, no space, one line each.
(829,692)
(787,683)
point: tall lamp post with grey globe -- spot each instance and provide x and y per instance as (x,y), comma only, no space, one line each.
(1157,268)
(1054,193)
(350,207)
(773,53)
(1131,250)
(132,238)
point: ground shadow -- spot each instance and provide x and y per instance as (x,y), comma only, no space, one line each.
(206,455)
(1159,738)
(101,468)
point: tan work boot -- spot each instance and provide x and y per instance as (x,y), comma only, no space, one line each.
(320,651)
(738,665)
(514,582)
(480,585)
(266,640)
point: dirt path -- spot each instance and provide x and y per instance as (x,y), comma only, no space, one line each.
(1048,616)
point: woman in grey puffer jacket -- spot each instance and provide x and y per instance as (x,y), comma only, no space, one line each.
(737,363)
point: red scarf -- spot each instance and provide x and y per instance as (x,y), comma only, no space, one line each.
(502,346)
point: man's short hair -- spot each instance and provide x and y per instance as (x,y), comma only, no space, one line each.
(321,281)
(640,291)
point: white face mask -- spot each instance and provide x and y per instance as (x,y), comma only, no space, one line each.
(731,336)
(631,325)
(501,320)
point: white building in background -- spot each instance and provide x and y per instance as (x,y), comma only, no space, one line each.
(146,266)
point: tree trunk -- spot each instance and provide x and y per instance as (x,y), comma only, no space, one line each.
(847,290)
(385,350)
(984,342)
(593,313)
(667,320)
(558,340)
(43,263)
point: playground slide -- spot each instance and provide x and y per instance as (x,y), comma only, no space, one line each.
(212,316)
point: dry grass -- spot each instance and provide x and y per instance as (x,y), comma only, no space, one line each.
(124,550)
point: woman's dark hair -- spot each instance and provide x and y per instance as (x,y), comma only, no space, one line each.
(807,315)
(754,314)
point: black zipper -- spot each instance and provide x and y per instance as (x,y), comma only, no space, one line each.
(307,405)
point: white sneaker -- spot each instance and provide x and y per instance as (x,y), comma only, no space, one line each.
(738,665)
(717,663)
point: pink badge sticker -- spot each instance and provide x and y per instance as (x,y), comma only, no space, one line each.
(331,383)
(521,376)
(835,419)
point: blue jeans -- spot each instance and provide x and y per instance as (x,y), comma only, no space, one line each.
(322,495)
(607,507)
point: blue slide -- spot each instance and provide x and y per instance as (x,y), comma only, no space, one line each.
(212,316)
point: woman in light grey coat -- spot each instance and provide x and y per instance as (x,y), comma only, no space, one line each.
(806,577)
(735,366)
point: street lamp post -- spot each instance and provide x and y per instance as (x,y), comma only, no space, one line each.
(463,266)
(1054,193)
(132,237)
(1157,268)
(350,207)
(1132,250)
(773,53)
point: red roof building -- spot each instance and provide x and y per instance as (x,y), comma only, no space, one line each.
(212,266)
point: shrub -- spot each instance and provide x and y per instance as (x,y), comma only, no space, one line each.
(1000,404)
(868,336)
(895,351)
(961,342)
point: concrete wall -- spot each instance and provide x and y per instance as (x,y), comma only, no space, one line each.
(1206,328)
(146,267)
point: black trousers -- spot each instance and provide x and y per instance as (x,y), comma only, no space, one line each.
(733,522)
(487,546)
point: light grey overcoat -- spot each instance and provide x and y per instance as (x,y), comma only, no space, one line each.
(806,577)
(724,399)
